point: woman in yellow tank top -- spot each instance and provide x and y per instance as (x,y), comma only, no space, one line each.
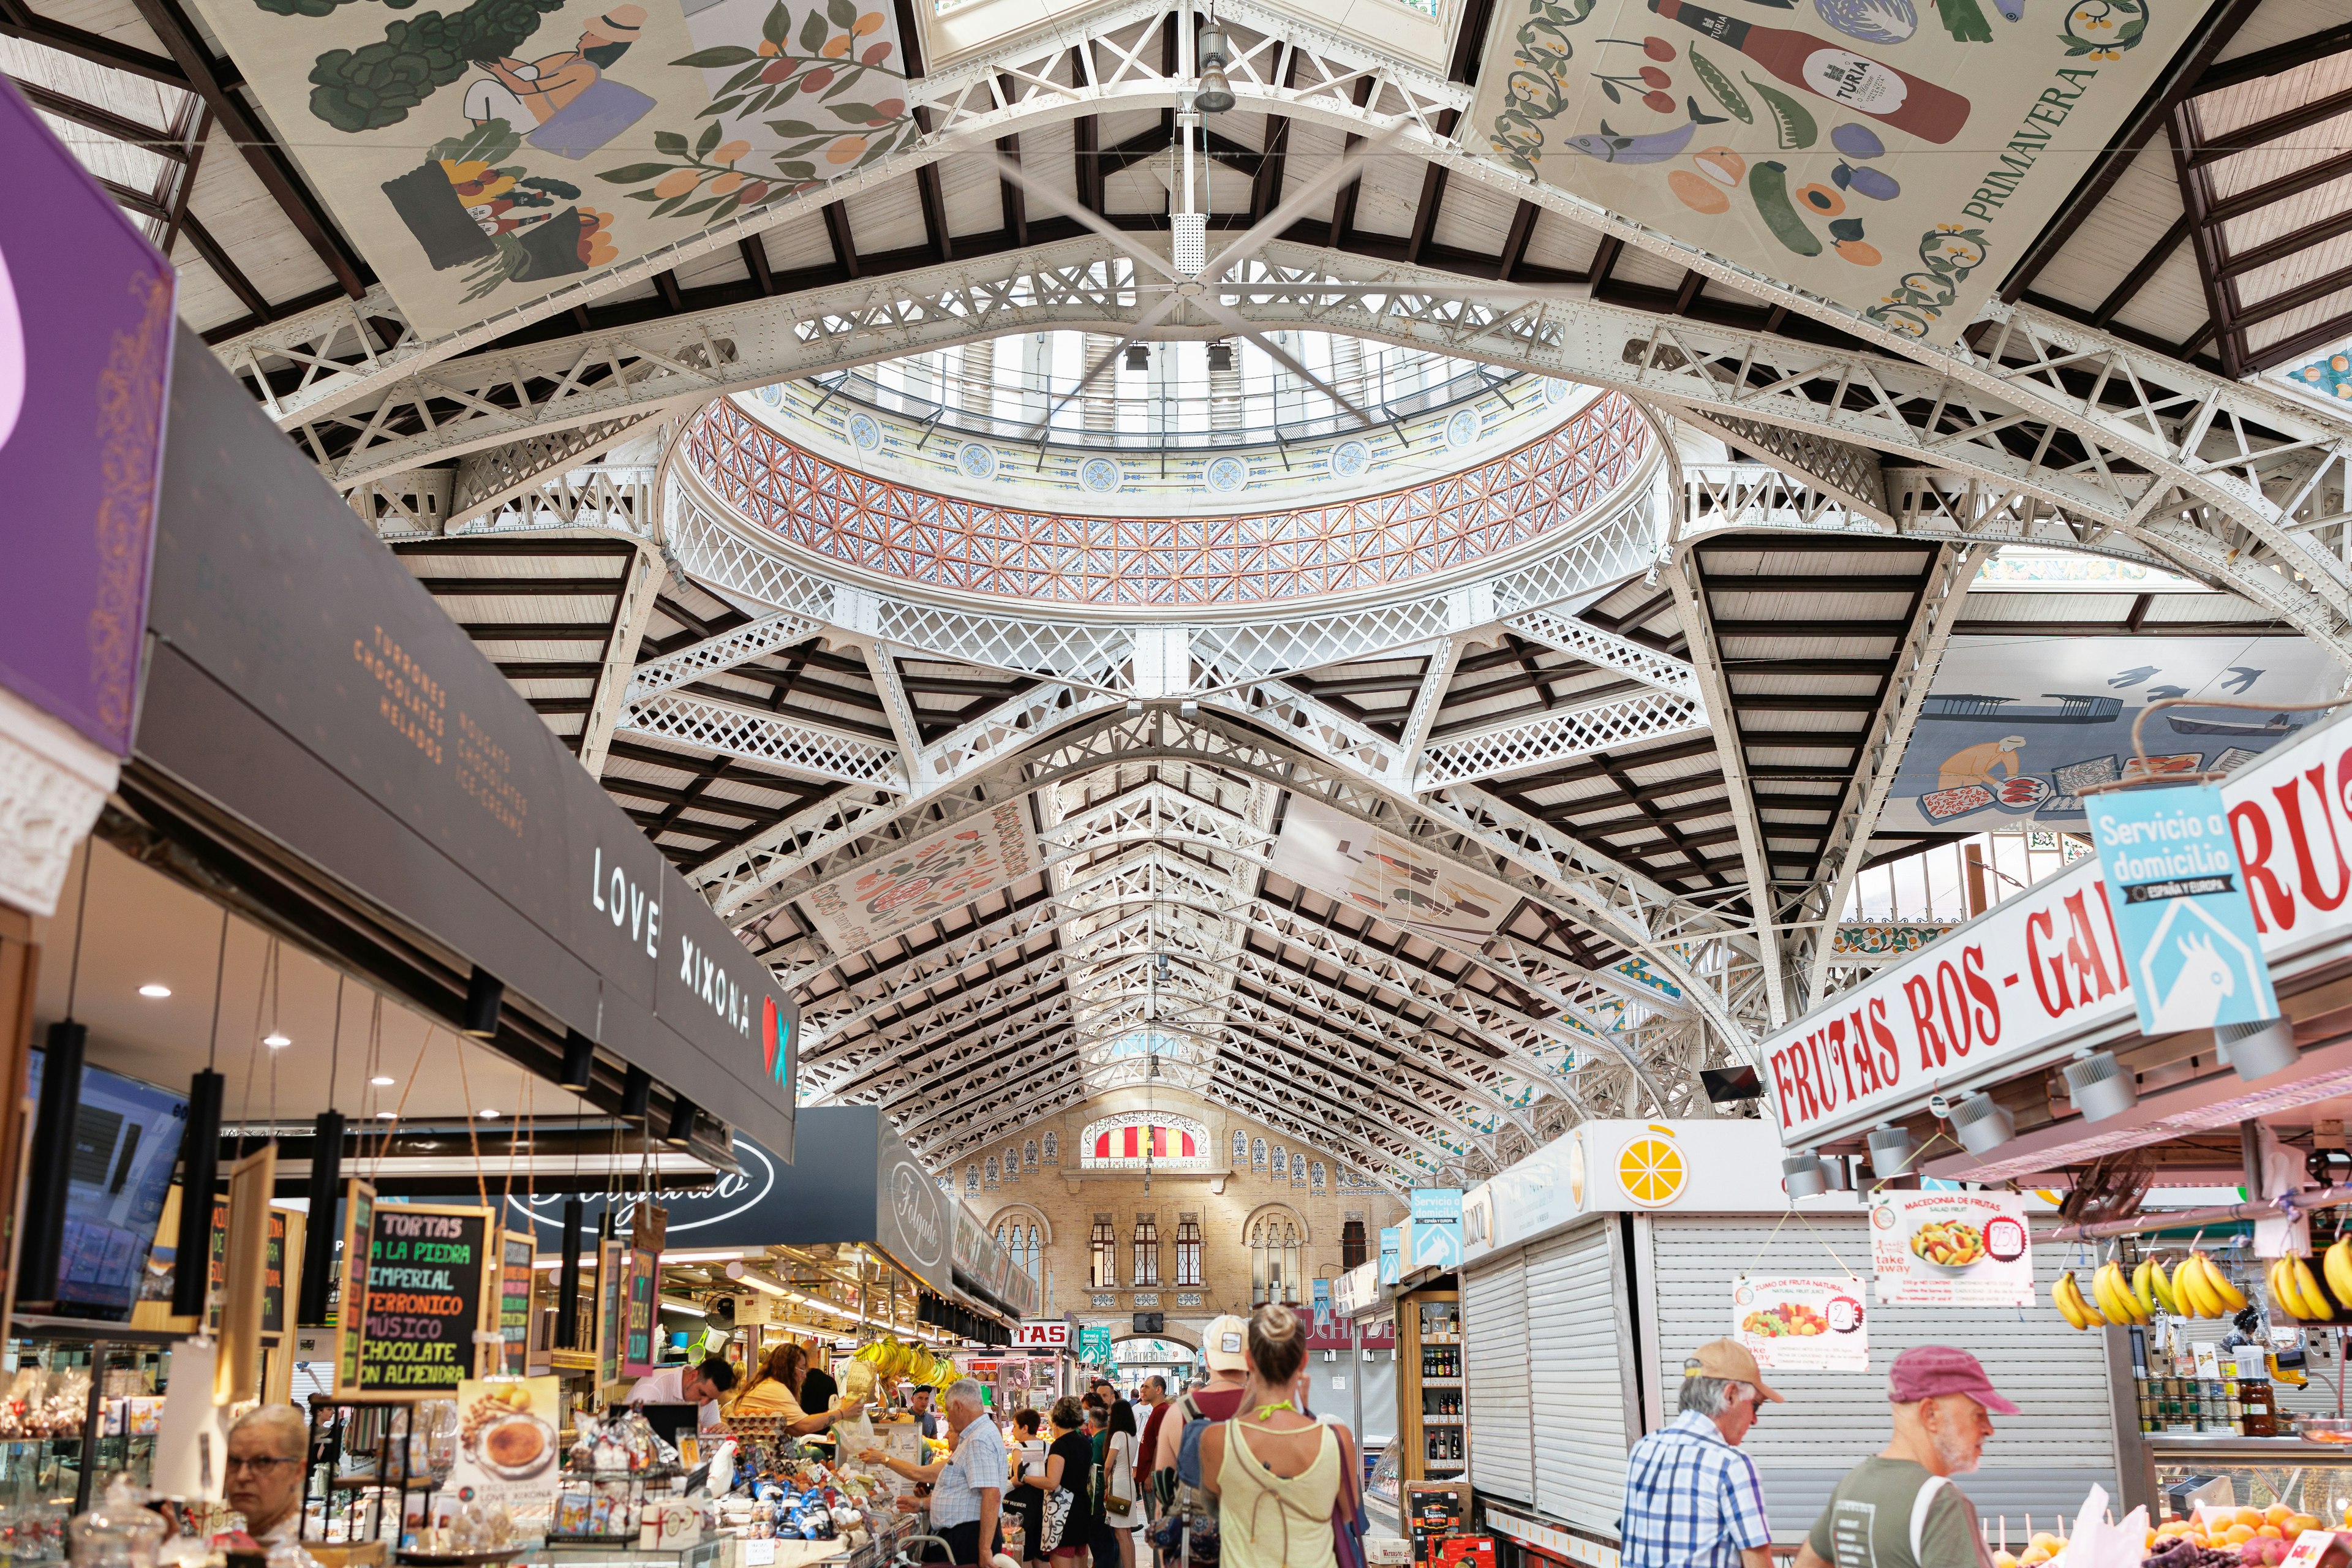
(1275,1471)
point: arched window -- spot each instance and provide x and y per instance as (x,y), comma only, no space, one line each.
(1352,1249)
(992,1177)
(1053,1151)
(1318,1175)
(1029,1155)
(1147,1251)
(1281,1163)
(1104,1248)
(1241,1148)
(972,1178)
(1274,1260)
(1188,1251)
(1257,1153)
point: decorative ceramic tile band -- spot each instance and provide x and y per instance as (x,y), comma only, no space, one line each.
(1340,547)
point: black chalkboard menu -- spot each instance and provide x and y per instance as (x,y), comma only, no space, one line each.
(514,1301)
(429,1290)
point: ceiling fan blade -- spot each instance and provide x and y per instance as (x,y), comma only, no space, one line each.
(1226,313)
(1269,228)
(1079,213)
(1148,320)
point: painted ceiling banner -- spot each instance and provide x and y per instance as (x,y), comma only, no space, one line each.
(1390,879)
(2016,727)
(926,878)
(483,153)
(1894,156)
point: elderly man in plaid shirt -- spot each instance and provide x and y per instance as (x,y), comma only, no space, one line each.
(1692,1499)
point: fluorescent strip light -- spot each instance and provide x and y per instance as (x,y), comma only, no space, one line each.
(672,1304)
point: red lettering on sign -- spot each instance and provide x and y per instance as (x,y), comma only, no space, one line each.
(1985,1014)
(1841,1055)
(1805,1096)
(1890,1058)
(1865,1060)
(1952,1005)
(1823,1084)
(2083,955)
(1784,1083)
(2047,973)
(2306,874)
(2256,861)
(1922,998)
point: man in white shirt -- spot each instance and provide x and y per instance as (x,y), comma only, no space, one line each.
(700,1384)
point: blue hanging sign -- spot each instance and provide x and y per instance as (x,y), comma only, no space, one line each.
(2178,899)
(1392,1245)
(1436,1226)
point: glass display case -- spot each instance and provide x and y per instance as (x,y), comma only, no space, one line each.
(78,1405)
(2308,1478)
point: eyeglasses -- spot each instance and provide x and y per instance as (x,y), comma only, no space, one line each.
(235,1464)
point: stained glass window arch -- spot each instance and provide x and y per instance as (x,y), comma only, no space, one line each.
(1131,1140)
(1241,1148)
(1052,1153)
(1029,1155)
(1275,1239)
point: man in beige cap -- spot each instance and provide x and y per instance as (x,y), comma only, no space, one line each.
(1221,1347)
(1692,1498)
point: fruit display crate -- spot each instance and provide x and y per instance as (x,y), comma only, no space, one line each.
(2312,1478)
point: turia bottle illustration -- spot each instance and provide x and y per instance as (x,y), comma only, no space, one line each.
(1931,112)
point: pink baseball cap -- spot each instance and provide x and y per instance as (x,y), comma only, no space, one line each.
(1924,1371)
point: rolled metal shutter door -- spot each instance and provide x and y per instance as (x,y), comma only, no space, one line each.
(2042,1461)
(1495,1362)
(1579,1334)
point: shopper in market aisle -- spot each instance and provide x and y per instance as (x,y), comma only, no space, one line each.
(1114,1536)
(918,1400)
(264,1480)
(1899,1507)
(1153,1394)
(1222,1346)
(818,1390)
(1692,1498)
(1274,1470)
(1068,1482)
(967,1482)
(1028,1502)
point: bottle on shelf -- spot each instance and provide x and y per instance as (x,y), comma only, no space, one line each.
(1830,70)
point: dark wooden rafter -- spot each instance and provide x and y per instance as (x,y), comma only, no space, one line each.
(209,78)
(1433,194)
(2196,200)
(1343,204)
(186,189)
(18,21)
(152,138)
(755,262)
(1516,242)
(837,230)
(2213,36)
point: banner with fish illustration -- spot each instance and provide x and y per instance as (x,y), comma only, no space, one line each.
(483,153)
(1896,156)
(2015,728)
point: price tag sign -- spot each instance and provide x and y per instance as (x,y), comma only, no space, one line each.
(1803,1324)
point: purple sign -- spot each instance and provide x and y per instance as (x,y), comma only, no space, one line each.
(85,356)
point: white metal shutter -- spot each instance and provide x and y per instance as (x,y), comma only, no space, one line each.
(1577,1375)
(1495,1360)
(2042,1461)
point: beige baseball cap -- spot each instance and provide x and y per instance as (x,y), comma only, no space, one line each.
(1222,1342)
(1730,1359)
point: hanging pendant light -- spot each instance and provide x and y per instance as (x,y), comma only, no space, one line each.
(1216,92)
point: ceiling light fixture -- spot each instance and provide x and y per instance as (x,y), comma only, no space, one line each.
(1221,357)
(275,1041)
(382,1082)
(487,1113)
(485,992)
(1138,357)
(1216,92)
(387,1116)
(1980,1123)
(157,991)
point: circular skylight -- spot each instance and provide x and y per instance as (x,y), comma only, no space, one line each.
(1027,387)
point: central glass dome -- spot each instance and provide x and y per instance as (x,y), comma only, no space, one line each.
(1025,389)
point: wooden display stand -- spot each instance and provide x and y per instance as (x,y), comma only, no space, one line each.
(1417,1331)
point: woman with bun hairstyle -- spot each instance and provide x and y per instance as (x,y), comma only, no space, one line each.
(1068,1485)
(1276,1472)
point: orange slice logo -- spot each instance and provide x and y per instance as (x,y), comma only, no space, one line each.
(1651,1168)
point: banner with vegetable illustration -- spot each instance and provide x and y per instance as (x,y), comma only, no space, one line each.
(1896,156)
(481,151)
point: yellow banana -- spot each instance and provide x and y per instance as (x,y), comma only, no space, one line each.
(2189,1283)
(2125,1286)
(2165,1296)
(2283,1292)
(2091,1314)
(2232,1297)
(2307,1285)
(2209,1296)
(2062,1295)
(2144,1289)
(2337,1265)
(2118,1303)
(2102,1288)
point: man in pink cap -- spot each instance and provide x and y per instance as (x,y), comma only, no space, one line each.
(1899,1507)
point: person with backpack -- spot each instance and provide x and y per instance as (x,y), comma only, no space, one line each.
(1899,1507)
(1184,1533)
(1222,1345)
(1279,1475)
(1067,1482)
